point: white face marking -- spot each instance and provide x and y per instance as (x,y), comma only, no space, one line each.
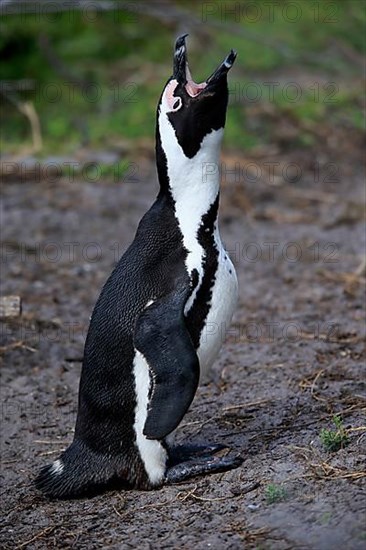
(177,104)
(57,467)
(172,102)
(152,452)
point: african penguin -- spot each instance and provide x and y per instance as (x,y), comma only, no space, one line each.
(151,333)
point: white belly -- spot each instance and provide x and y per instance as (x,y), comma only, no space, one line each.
(223,303)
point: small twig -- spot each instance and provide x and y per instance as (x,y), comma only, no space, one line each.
(312,390)
(184,496)
(145,507)
(246,405)
(14,345)
(117,512)
(347,278)
(359,428)
(47,453)
(28,110)
(201,424)
(39,535)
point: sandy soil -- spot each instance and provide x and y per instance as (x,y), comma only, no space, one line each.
(293,357)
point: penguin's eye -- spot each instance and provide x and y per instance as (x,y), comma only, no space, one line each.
(177,104)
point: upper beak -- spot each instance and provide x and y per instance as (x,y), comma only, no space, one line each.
(182,73)
(180,60)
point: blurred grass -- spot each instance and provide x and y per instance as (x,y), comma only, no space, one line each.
(120,61)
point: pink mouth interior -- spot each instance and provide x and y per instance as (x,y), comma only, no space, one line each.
(193,88)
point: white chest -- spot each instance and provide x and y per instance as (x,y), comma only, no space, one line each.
(194,185)
(223,303)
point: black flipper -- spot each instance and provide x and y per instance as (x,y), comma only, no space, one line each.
(162,338)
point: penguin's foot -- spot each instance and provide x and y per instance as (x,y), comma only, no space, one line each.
(189,451)
(186,461)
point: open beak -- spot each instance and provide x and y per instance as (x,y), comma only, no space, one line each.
(182,73)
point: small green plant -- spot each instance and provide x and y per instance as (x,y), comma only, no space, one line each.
(275,493)
(333,440)
(325,518)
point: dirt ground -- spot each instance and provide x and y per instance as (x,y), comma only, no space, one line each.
(294,356)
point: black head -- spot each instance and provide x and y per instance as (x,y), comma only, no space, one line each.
(193,110)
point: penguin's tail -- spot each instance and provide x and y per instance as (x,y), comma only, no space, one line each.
(77,472)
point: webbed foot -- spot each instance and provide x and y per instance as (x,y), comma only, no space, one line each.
(190,460)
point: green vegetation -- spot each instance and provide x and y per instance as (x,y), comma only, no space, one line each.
(94,78)
(275,493)
(325,518)
(333,440)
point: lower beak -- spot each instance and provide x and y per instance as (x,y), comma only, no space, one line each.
(224,68)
